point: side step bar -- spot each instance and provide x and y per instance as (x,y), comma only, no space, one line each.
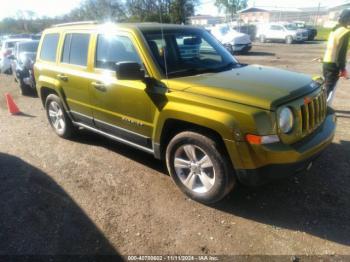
(118,139)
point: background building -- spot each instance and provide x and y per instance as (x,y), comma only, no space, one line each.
(206,20)
(278,14)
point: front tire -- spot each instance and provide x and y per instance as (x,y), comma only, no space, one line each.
(262,39)
(25,89)
(289,40)
(199,168)
(57,116)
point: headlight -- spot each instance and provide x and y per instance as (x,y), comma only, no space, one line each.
(286,120)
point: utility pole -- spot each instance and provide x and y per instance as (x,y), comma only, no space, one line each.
(318,12)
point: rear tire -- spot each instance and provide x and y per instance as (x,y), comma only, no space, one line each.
(57,116)
(199,168)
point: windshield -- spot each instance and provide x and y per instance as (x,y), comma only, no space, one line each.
(291,27)
(188,52)
(224,30)
(31,46)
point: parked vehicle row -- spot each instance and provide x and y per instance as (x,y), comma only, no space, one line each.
(23,60)
(286,32)
(175,92)
(17,58)
(7,47)
(234,41)
(238,38)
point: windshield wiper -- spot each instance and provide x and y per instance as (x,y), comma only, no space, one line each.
(228,66)
(202,70)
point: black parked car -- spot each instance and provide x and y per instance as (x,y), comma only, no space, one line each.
(23,60)
(311,31)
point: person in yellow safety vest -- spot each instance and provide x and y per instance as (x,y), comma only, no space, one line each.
(334,61)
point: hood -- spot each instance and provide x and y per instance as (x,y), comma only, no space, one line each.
(231,37)
(254,85)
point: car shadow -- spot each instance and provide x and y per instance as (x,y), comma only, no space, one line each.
(258,53)
(343,113)
(313,42)
(39,218)
(90,138)
(316,203)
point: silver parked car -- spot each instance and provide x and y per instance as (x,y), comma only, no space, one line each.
(286,32)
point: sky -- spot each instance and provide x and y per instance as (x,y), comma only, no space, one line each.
(51,8)
(58,7)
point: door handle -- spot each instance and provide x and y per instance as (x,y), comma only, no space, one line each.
(99,86)
(62,77)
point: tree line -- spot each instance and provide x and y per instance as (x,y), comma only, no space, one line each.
(166,11)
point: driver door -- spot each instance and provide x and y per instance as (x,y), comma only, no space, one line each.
(120,107)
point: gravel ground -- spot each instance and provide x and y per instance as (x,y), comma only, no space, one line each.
(91,195)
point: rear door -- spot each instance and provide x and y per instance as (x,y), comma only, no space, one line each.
(74,74)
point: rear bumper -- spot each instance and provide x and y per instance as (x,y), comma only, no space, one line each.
(277,160)
(25,76)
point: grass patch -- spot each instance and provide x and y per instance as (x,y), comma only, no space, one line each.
(323,33)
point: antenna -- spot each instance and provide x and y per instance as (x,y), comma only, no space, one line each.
(163,38)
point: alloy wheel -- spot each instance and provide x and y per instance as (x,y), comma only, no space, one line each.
(194,168)
(56,116)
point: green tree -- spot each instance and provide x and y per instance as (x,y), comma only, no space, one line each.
(180,10)
(148,10)
(100,10)
(230,7)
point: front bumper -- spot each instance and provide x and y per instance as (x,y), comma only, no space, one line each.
(242,47)
(279,160)
(26,76)
(300,38)
(239,47)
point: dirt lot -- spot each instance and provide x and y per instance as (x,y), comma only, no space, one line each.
(92,195)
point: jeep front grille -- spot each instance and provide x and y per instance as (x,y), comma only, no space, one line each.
(313,112)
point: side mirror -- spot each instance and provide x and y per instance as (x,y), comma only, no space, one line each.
(129,71)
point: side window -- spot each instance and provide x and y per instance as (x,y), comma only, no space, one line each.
(276,27)
(49,47)
(75,49)
(112,49)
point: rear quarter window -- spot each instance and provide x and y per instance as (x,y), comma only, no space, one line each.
(49,47)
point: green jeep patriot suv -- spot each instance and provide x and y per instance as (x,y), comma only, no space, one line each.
(175,92)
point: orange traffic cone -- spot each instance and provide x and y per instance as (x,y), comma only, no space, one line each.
(11,105)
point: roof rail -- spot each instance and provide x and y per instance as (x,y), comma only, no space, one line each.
(76,23)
